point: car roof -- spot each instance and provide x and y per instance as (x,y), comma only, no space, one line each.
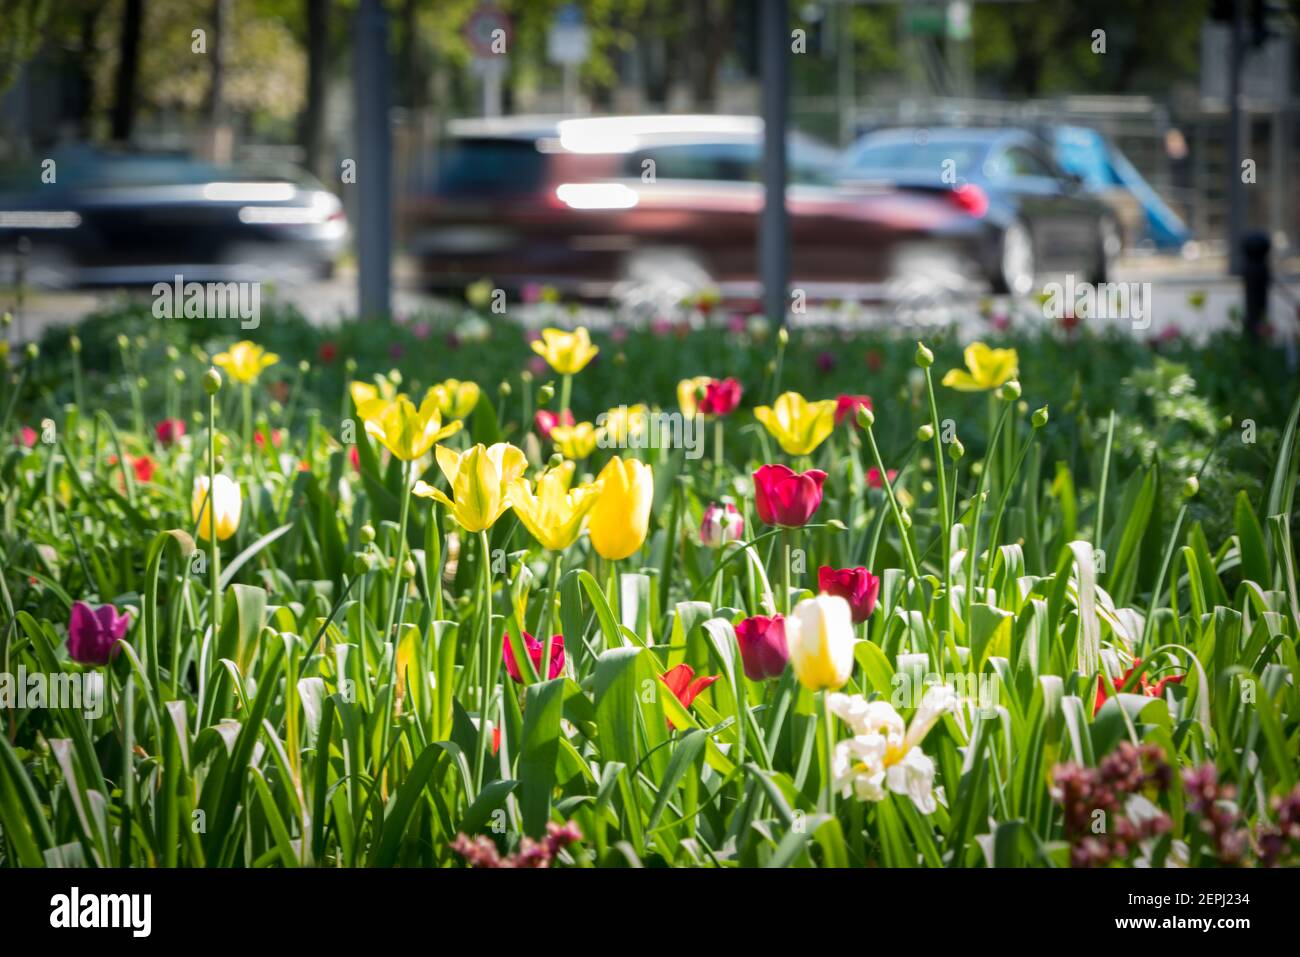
(612,134)
(986,136)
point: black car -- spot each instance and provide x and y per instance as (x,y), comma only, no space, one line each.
(94,217)
(1039,218)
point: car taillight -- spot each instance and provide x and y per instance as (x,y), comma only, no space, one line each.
(971,198)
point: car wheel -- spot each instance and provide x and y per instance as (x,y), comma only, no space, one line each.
(1015,270)
(1109,244)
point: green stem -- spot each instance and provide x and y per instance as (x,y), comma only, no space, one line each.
(828,722)
(945,512)
(785,572)
(401,554)
(214,553)
(553,590)
(485,663)
(976,508)
(566,389)
(893,505)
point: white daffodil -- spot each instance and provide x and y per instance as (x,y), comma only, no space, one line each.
(884,753)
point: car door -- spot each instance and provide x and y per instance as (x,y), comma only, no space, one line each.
(1018,171)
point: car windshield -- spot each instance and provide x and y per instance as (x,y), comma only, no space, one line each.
(892,156)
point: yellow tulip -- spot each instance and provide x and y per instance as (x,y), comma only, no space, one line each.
(575,441)
(555,513)
(799,426)
(365,393)
(623,421)
(565,352)
(245,361)
(689,392)
(456,399)
(819,638)
(620,519)
(480,479)
(225,505)
(985,369)
(403,429)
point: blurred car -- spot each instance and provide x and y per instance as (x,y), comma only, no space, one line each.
(600,206)
(137,218)
(1039,218)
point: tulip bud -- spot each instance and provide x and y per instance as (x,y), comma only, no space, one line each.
(74,343)
(545,394)
(362,562)
(304,366)
(1010,390)
(1040,417)
(924,357)
(123,342)
(721,524)
(866,418)
(408,569)
(925,433)
(173,354)
(906,518)
(1191,485)
(366,533)
(178,375)
(783,337)
(504,388)
(350,365)
(955,449)
(1225,423)
(32,351)
(220,462)
(820,640)
(212,382)
(555,461)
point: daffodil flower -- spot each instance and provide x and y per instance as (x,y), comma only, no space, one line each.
(245,361)
(456,399)
(554,513)
(798,426)
(480,479)
(985,369)
(575,442)
(566,352)
(403,429)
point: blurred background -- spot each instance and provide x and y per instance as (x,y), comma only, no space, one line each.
(612,151)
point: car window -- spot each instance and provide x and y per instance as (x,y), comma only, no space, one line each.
(490,168)
(892,157)
(736,162)
(1018,161)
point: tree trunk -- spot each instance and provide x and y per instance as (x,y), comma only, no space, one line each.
(122,122)
(312,122)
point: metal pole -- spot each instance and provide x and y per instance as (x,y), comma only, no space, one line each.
(1236,192)
(774,226)
(374,160)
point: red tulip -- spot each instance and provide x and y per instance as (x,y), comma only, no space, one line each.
(1151,690)
(721,396)
(546,420)
(857,586)
(785,497)
(169,430)
(328,352)
(355,458)
(535,648)
(144,468)
(26,437)
(846,407)
(762,646)
(277,436)
(93,634)
(875,481)
(683,688)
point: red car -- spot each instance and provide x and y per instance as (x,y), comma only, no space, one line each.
(610,206)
